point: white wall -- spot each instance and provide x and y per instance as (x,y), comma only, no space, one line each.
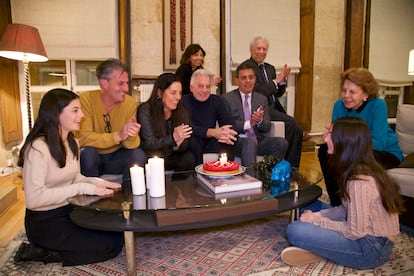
(391,39)
(147,35)
(74,29)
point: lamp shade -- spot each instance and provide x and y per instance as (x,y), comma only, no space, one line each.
(22,42)
(411,63)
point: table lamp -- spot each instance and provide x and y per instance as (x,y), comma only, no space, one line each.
(411,63)
(23,42)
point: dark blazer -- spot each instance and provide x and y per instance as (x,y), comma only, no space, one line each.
(269,88)
(235,105)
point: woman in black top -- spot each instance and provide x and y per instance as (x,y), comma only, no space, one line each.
(165,125)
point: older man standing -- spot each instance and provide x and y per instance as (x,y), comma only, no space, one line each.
(206,111)
(273,86)
(108,134)
(252,120)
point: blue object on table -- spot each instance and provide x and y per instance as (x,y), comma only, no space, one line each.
(280,179)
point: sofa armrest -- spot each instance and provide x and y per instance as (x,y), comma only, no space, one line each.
(277,129)
(404,178)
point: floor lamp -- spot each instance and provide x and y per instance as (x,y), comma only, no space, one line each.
(23,42)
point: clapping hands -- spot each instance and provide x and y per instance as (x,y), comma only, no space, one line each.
(181,133)
(283,75)
(226,135)
(257,116)
(130,129)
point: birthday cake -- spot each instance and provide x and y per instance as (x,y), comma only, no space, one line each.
(217,166)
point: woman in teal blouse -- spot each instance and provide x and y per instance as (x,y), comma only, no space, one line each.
(360,98)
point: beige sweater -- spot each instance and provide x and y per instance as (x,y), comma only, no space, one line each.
(46,186)
(363,215)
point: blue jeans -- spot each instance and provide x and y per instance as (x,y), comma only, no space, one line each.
(117,162)
(364,253)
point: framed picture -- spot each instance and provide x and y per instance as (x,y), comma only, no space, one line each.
(177,31)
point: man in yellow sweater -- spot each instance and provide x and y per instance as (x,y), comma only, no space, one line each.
(108,134)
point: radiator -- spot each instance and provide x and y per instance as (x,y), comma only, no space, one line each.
(145,92)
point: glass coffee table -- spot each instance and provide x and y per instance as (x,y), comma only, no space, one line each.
(188,204)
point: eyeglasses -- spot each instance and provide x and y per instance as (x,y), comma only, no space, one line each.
(107,120)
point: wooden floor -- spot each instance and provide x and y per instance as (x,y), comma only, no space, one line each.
(12,220)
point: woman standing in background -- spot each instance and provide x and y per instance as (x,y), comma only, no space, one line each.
(191,60)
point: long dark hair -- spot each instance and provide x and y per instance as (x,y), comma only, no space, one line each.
(189,51)
(47,126)
(179,115)
(353,156)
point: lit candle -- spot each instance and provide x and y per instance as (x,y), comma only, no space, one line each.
(137,180)
(223,159)
(157,186)
(148,175)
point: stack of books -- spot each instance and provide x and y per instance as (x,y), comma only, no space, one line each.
(232,183)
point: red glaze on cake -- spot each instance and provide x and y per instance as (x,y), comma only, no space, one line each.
(217,167)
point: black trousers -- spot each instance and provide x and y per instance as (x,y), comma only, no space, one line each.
(55,231)
(293,133)
(386,159)
(199,146)
(180,161)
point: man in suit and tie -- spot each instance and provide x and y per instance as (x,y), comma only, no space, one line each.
(273,86)
(250,111)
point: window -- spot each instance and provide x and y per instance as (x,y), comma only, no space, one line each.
(73,75)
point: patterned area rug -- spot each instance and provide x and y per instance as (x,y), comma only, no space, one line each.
(240,249)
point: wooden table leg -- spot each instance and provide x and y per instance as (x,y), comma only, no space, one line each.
(130,252)
(294,215)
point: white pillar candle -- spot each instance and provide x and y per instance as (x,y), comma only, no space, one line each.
(140,202)
(157,186)
(223,159)
(157,203)
(137,180)
(148,175)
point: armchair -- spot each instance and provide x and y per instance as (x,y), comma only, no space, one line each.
(404,174)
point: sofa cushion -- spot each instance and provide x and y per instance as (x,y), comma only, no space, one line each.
(404,178)
(408,161)
(405,128)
